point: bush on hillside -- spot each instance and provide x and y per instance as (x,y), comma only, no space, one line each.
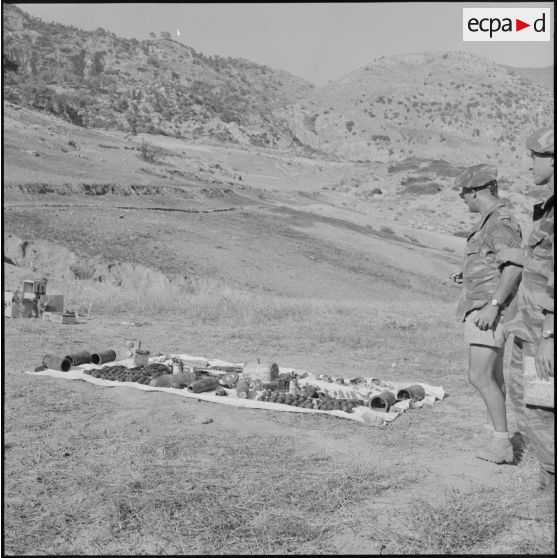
(150,153)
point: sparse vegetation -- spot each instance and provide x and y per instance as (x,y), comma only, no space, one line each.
(150,153)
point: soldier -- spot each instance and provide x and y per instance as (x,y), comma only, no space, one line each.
(533,326)
(490,278)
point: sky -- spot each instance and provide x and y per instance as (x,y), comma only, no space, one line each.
(320,42)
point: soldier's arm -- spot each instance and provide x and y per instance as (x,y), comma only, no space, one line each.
(503,237)
(509,279)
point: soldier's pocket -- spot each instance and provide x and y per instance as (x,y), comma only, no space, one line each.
(540,245)
(472,246)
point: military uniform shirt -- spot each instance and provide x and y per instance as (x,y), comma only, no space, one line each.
(536,291)
(492,243)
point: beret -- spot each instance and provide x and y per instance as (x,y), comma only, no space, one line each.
(476,176)
(541,141)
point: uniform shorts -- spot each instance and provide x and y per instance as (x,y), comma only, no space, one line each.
(494,337)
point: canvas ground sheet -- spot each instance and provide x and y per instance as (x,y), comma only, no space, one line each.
(362,414)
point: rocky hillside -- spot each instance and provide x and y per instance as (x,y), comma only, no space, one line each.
(96,79)
(452,106)
(544,76)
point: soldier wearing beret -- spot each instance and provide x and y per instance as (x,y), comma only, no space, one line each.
(533,328)
(490,277)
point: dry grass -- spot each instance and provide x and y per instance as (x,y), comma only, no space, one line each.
(369,330)
(222,498)
(456,523)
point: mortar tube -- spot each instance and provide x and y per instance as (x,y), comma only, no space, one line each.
(415,392)
(100,357)
(57,363)
(383,401)
(79,357)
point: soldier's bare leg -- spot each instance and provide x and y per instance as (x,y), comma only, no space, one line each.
(499,377)
(483,363)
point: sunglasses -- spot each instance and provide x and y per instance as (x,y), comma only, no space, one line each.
(536,155)
(465,191)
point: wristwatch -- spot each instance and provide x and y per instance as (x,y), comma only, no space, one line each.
(547,334)
(494,302)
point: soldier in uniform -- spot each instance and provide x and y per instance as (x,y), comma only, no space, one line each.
(533,327)
(490,277)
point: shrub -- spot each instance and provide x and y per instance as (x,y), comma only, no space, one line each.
(150,153)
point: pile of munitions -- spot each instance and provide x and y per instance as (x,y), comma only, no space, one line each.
(138,374)
(253,381)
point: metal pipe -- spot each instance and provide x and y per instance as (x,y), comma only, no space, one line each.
(79,357)
(57,363)
(414,392)
(383,401)
(100,357)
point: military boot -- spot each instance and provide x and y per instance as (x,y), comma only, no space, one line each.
(541,504)
(498,450)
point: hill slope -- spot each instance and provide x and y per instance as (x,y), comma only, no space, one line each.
(452,106)
(97,79)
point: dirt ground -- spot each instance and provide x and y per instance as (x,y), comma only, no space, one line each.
(334,285)
(48,424)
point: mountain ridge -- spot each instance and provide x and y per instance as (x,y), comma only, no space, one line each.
(446,105)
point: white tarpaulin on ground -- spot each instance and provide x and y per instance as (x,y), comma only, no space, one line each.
(360,413)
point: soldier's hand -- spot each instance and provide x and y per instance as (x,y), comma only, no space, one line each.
(544,359)
(456,277)
(486,316)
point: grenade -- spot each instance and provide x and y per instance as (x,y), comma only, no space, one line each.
(205,384)
(257,385)
(242,389)
(311,391)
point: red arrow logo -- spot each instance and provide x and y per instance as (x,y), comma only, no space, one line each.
(519,25)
